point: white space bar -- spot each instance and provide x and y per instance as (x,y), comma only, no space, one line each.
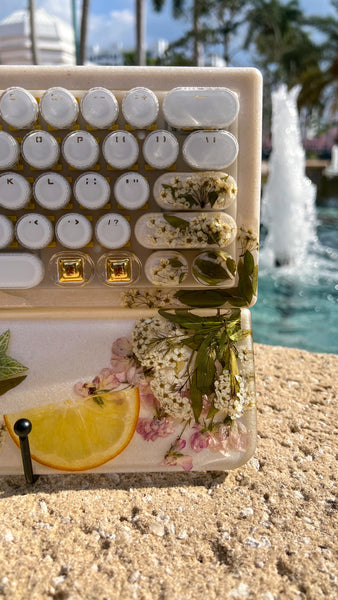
(21,270)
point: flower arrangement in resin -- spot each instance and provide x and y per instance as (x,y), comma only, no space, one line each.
(194,230)
(196,383)
(200,190)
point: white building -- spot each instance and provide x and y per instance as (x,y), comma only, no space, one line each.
(55,39)
(111,55)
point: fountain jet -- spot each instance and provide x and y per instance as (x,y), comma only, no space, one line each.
(288,204)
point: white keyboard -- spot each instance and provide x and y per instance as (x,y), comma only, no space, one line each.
(128,198)
(117,184)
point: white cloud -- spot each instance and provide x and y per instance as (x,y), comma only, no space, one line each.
(118,27)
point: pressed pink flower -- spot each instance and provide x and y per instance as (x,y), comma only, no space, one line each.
(199,441)
(178,445)
(151,429)
(122,357)
(182,460)
(105,381)
(146,395)
(238,438)
(219,438)
(174,457)
(108,379)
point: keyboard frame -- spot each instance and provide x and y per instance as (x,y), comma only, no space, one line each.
(246,82)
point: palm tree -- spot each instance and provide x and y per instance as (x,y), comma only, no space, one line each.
(179,9)
(270,25)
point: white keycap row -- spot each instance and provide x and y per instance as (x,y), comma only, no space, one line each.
(34,231)
(91,190)
(80,149)
(182,107)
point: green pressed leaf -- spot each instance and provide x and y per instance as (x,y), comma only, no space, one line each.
(190,199)
(175,262)
(205,366)
(98,399)
(175,221)
(195,397)
(194,341)
(9,367)
(184,318)
(249,262)
(233,326)
(244,282)
(201,299)
(255,280)
(240,335)
(238,301)
(231,265)
(212,411)
(4,341)
(9,384)
(212,197)
(233,363)
(188,320)
(212,270)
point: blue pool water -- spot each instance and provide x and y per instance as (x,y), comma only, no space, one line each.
(298,307)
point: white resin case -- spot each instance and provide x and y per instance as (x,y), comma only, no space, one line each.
(130,351)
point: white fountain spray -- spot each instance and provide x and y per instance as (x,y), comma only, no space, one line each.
(288,205)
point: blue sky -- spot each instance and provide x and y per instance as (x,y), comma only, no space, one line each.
(113,21)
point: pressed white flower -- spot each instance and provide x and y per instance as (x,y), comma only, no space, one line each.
(232,403)
(202,230)
(214,190)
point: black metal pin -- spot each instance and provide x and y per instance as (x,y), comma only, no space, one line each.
(22,428)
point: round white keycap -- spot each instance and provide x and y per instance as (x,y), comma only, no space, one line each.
(91,190)
(112,231)
(131,190)
(160,149)
(40,149)
(52,191)
(210,149)
(59,108)
(80,149)
(140,107)
(18,107)
(6,231)
(99,107)
(73,231)
(120,149)
(15,191)
(34,231)
(9,150)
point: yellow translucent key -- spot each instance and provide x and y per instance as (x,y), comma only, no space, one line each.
(118,270)
(70,269)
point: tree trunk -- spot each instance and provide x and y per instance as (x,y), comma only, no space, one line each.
(140,32)
(198,51)
(33,39)
(84,31)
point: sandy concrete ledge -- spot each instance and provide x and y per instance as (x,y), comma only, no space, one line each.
(267,531)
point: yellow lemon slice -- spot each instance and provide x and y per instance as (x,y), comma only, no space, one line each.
(76,435)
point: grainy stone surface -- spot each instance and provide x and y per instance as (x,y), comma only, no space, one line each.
(267,531)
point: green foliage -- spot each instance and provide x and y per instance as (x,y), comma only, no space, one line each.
(213,342)
(11,371)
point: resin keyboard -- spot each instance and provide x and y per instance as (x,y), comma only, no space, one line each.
(129,222)
(126,184)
